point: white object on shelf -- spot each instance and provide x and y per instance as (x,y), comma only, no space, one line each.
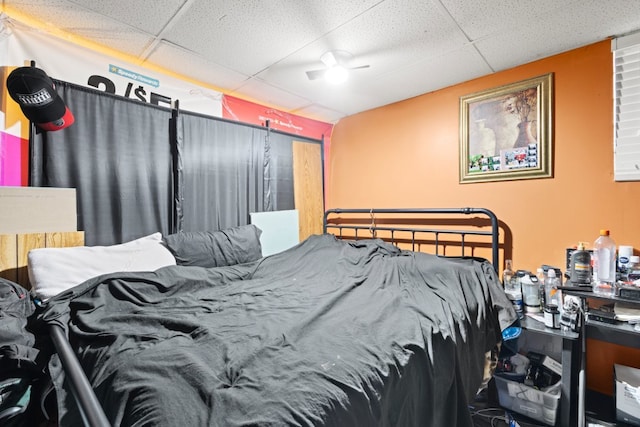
(604,264)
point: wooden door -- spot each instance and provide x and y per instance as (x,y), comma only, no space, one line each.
(307,187)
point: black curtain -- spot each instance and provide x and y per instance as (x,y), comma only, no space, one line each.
(223,172)
(281,171)
(139,168)
(117,155)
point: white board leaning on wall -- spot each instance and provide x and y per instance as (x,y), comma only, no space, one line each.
(280,230)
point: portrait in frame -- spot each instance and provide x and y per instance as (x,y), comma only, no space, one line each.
(506,132)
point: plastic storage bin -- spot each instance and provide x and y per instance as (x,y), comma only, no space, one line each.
(536,404)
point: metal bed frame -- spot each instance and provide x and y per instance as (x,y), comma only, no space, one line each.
(394,227)
(91,411)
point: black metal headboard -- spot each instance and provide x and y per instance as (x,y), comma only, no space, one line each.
(415,226)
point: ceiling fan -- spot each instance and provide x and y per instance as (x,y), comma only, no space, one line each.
(335,71)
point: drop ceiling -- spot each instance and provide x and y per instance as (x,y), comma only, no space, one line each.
(261,49)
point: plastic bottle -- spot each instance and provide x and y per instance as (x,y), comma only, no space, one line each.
(530,293)
(553,301)
(580,266)
(515,296)
(512,288)
(551,292)
(604,264)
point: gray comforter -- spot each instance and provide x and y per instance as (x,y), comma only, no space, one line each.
(328,333)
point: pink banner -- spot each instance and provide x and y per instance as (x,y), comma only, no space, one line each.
(14,170)
(248,112)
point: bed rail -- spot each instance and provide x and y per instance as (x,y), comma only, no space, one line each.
(421,224)
(90,409)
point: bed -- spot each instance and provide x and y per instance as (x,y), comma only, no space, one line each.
(354,327)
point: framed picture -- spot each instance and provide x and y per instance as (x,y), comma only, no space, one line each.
(505,132)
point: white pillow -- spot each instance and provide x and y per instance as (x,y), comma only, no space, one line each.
(53,270)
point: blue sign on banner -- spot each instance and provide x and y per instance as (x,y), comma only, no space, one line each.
(133,75)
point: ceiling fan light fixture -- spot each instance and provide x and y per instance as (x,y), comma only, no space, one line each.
(336,74)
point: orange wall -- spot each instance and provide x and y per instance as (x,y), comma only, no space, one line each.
(407,155)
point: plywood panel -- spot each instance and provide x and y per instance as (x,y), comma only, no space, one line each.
(26,242)
(307,186)
(14,250)
(9,256)
(64,240)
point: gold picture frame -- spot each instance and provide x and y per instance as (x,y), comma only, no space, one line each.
(505,132)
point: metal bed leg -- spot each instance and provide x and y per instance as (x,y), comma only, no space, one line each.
(90,409)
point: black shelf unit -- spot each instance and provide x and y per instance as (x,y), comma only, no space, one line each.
(621,333)
(598,406)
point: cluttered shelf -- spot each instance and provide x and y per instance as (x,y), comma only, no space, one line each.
(572,313)
(610,318)
(549,332)
(535,322)
(587,292)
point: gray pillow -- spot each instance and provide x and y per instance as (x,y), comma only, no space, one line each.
(231,246)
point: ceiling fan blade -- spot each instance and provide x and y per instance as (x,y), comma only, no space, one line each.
(315,74)
(329,59)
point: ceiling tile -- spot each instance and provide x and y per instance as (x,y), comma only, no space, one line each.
(149,16)
(185,63)
(589,24)
(407,82)
(395,33)
(432,74)
(270,95)
(248,35)
(68,17)
(320,113)
(143,15)
(482,18)
(378,38)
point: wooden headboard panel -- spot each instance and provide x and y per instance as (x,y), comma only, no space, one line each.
(15,247)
